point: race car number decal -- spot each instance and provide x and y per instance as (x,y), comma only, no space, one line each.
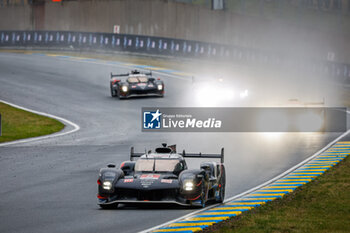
(128,180)
(166,181)
(150,176)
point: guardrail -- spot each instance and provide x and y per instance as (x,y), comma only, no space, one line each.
(159,46)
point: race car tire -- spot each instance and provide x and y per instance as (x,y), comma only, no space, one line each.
(222,188)
(118,94)
(203,194)
(113,94)
(221,194)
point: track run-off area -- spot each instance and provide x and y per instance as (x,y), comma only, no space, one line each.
(49,185)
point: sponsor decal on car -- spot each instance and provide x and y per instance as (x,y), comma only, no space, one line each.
(128,180)
(142,85)
(168,181)
(150,176)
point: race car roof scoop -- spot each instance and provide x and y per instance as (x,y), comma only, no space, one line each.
(163,150)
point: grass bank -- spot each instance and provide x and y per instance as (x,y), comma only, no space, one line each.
(319,206)
(20,124)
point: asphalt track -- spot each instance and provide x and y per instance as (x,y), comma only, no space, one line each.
(50,185)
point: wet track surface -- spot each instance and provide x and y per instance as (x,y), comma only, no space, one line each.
(50,185)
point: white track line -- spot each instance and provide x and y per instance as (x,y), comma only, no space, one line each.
(65,121)
(255,188)
(124,66)
(178,219)
(106,63)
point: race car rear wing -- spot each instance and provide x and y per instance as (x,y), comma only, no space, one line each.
(134,154)
(200,155)
(118,75)
(132,72)
(184,154)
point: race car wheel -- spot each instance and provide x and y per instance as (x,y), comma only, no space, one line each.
(222,183)
(113,94)
(203,200)
(221,194)
(203,194)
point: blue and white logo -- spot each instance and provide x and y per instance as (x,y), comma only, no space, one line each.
(152,120)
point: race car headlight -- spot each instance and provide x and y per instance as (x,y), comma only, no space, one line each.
(107,185)
(188,186)
(160,87)
(243,94)
(124,88)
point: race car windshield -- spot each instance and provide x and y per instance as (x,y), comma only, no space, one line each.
(143,79)
(137,79)
(156,165)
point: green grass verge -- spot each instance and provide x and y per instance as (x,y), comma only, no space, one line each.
(20,124)
(319,206)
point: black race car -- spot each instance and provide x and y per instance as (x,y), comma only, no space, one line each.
(136,84)
(162,177)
